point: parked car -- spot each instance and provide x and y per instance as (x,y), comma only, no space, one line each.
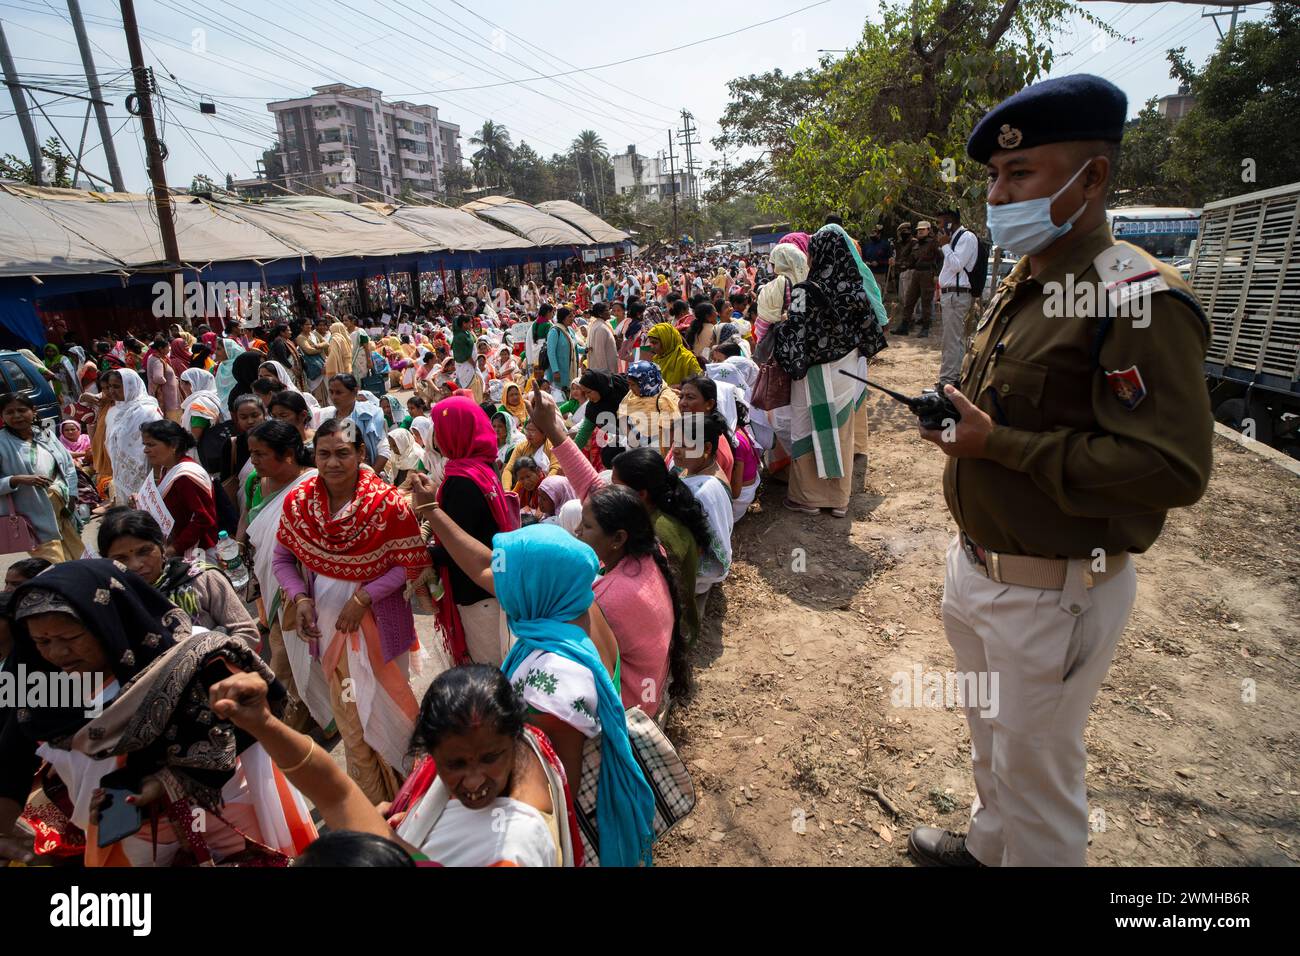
(19,374)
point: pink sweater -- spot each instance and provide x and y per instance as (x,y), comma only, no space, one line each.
(582,476)
(635,601)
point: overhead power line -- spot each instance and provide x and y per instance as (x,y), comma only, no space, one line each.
(630,59)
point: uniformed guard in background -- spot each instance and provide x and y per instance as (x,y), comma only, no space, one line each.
(1084,419)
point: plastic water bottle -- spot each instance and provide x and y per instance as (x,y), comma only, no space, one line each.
(228,551)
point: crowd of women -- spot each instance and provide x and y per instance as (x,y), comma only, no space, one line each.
(559,492)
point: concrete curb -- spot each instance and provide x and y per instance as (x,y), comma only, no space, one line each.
(1259,448)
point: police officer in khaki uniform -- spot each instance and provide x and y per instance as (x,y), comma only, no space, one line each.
(1084,419)
(920,259)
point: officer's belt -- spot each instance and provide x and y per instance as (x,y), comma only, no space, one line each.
(956,288)
(1024,570)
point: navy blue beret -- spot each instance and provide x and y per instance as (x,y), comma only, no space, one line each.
(1062,110)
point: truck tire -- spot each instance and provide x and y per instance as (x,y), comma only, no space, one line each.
(1233,412)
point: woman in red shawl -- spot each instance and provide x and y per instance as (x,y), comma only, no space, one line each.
(179,357)
(348,544)
(471,495)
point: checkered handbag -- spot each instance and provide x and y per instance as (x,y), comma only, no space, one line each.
(664,770)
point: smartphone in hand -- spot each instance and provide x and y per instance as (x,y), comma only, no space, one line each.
(117,818)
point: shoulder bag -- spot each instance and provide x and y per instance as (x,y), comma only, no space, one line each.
(664,770)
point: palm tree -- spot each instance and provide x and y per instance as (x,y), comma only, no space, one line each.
(590,145)
(494,151)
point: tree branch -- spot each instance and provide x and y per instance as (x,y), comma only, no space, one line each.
(1001,24)
(1195,3)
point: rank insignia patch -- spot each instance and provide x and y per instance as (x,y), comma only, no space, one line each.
(1128,386)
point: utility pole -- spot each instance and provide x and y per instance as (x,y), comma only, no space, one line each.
(20,109)
(97,100)
(672,176)
(688,139)
(153,146)
(1232,24)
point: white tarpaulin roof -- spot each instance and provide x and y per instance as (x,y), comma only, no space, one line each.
(67,232)
(31,241)
(129,231)
(329,234)
(531,223)
(456,230)
(584,219)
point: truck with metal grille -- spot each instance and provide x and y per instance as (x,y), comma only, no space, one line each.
(1246,272)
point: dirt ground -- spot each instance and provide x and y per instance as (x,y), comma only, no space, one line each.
(799,758)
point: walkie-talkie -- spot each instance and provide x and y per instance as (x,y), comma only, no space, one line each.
(933,409)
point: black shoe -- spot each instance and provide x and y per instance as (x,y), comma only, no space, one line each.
(931,846)
(901,330)
(924,333)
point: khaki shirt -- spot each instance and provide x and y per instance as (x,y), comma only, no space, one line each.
(1071,467)
(921,254)
(905,258)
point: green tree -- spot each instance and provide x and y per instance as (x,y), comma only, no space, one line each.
(56,165)
(1243,133)
(589,149)
(272,164)
(455,180)
(731,218)
(1140,179)
(492,159)
(882,130)
(565,181)
(530,175)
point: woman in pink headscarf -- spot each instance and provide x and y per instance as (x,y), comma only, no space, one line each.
(179,356)
(797,239)
(77,444)
(470,495)
(553,493)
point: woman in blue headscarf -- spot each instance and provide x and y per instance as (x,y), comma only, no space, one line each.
(563,662)
(647,412)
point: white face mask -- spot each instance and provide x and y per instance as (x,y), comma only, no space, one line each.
(1025,228)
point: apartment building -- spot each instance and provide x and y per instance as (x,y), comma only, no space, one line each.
(449,140)
(350,142)
(1177,105)
(649,178)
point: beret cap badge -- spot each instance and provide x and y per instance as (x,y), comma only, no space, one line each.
(1009,137)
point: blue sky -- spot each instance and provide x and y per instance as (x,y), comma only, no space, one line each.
(456,55)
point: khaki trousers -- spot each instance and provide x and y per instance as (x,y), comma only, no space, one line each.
(917,286)
(1049,652)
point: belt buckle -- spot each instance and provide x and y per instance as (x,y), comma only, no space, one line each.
(988,560)
(993,563)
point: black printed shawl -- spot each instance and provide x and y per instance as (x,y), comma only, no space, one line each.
(830,312)
(160,719)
